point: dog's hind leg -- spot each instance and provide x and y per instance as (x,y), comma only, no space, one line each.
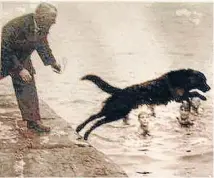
(93,117)
(97,124)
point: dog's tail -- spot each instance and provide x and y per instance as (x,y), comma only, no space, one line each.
(101,84)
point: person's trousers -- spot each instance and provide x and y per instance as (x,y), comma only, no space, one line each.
(26,94)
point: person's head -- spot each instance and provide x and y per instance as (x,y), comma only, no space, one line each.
(45,14)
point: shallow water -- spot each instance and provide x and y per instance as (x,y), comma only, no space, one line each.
(128,43)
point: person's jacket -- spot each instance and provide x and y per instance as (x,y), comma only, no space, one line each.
(19,38)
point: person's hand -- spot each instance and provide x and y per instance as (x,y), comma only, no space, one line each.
(56,67)
(25,75)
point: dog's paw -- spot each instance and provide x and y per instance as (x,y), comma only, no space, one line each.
(78,129)
(86,137)
(203,98)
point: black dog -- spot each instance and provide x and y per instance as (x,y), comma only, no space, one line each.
(172,86)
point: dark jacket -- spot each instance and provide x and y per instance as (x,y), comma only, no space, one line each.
(19,39)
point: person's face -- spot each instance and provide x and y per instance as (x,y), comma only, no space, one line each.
(51,18)
(47,19)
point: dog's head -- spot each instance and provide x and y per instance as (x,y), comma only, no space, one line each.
(189,79)
(197,80)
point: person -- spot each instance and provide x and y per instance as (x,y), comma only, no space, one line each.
(20,37)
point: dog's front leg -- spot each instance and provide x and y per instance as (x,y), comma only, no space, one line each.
(196,94)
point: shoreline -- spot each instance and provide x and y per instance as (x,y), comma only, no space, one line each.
(55,154)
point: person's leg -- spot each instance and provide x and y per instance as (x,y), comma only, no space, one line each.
(27,98)
(26,94)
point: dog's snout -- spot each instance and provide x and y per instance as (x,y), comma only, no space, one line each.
(207,87)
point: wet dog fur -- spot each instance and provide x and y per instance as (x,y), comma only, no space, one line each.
(175,85)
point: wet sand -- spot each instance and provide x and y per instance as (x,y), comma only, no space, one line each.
(127,43)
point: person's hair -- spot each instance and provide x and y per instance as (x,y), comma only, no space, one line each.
(45,8)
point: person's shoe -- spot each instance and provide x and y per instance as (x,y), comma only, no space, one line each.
(38,126)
